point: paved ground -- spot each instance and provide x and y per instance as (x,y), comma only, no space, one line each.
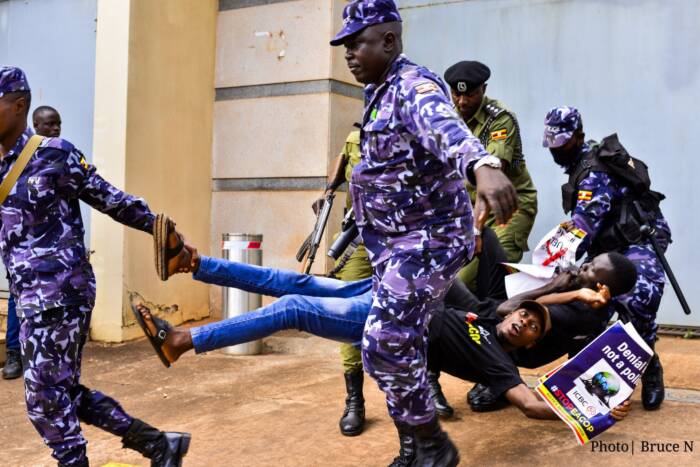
(281,409)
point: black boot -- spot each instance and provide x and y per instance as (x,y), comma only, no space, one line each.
(474,392)
(442,407)
(407,446)
(653,392)
(13,365)
(481,399)
(433,446)
(353,420)
(165,449)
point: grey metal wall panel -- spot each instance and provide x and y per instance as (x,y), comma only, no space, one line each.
(630,66)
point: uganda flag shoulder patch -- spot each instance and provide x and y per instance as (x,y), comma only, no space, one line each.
(585,195)
(425,87)
(499,134)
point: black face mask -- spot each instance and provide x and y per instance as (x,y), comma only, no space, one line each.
(565,158)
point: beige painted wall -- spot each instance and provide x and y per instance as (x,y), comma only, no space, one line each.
(163,103)
(279,42)
(280,136)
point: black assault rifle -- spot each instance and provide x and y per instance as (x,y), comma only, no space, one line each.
(307,252)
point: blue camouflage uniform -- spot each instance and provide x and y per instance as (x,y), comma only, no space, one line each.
(41,241)
(597,193)
(413,211)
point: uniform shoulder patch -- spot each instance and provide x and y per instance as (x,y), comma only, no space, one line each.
(425,87)
(499,134)
(585,195)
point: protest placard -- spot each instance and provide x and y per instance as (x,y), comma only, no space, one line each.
(557,249)
(584,390)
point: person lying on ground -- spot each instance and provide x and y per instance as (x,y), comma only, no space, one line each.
(578,302)
(461,343)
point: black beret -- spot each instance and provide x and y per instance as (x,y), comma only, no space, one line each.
(467,75)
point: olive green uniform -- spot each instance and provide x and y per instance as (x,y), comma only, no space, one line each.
(498,130)
(357,265)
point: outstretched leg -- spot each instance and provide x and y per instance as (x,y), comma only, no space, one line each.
(255,279)
(341,319)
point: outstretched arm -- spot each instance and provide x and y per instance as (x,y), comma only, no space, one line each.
(83,181)
(533,407)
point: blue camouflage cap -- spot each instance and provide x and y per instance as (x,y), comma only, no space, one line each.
(362,13)
(559,125)
(12,79)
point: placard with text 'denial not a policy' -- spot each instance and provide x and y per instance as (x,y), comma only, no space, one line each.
(583,390)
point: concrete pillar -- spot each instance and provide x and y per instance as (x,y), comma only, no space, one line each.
(285,102)
(152,137)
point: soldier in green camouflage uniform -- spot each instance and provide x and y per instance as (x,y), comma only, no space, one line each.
(497,128)
(351,266)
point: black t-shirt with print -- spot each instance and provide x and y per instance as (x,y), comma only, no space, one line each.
(465,346)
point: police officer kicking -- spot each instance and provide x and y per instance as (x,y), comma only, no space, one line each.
(413,211)
(41,241)
(609,197)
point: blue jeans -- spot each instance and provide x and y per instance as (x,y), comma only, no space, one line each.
(12,333)
(324,307)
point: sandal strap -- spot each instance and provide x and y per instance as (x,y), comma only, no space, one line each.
(163,328)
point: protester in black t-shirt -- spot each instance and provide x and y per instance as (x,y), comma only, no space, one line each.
(577,302)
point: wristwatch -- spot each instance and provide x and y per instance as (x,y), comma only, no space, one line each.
(491,161)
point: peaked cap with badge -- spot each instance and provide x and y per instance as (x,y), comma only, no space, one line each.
(467,75)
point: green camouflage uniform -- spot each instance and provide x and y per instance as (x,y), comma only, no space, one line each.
(498,130)
(357,266)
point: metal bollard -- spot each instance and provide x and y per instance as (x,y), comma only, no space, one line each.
(243,248)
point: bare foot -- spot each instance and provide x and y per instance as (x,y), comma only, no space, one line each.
(177,340)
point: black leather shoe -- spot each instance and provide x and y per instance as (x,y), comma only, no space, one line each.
(353,420)
(474,392)
(407,443)
(484,401)
(442,407)
(164,448)
(13,365)
(433,446)
(653,392)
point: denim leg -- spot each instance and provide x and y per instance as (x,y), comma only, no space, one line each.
(341,319)
(274,282)
(12,333)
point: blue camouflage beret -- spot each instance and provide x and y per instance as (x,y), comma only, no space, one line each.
(559,125)
(12,79)
(466,76)
(362,13)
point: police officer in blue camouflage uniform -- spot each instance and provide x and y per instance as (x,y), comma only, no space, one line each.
(41,241)
(598,200)
(413,210)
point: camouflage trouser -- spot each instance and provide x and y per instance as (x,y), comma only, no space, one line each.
(642,303)
(407,289)
(52,345)
(357,267)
